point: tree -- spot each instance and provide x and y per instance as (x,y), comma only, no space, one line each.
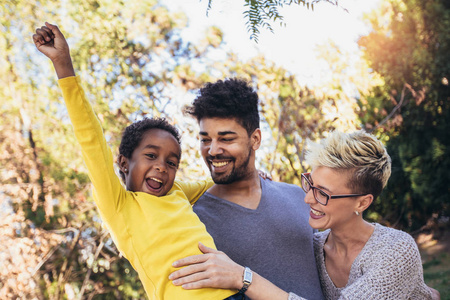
(261,13)
(408,47)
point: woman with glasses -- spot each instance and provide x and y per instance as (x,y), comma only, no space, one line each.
(355,259)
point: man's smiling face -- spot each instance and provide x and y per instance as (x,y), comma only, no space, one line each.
(226,149)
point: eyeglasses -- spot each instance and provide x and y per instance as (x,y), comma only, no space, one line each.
(321,196)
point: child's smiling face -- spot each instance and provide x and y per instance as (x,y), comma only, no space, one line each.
(153,164)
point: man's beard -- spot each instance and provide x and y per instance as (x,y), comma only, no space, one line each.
(238,173)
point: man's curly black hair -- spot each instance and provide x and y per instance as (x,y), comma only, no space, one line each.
(231,98)
(132,135)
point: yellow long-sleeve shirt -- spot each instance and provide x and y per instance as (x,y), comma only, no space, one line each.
(151,232)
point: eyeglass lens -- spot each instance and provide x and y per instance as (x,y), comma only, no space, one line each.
(319,195)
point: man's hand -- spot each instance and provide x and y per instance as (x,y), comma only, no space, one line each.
(213,269)
(51,42)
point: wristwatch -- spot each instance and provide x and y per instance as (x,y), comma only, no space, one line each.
(247,280)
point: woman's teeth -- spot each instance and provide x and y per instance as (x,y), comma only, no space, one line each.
(317,213)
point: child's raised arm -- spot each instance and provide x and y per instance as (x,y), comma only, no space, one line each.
(51,42)
(96,153)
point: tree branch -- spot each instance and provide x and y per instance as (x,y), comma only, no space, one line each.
(97,253)
(396,108)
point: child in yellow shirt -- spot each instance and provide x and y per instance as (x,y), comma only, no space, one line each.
(151,221)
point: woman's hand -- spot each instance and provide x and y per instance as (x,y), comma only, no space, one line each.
(264,175)
(435,295)
(213,269)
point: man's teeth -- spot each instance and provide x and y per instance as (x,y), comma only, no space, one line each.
(155,179)
(220,164)
(317,213)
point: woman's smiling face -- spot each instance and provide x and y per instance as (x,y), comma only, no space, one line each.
(337,211)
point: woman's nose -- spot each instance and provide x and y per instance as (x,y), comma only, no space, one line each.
(309,197)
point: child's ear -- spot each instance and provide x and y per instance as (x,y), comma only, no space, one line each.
(123,163)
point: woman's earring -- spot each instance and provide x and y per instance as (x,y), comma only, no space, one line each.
(357,212)
(125,170)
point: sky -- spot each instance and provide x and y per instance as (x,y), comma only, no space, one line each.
(292,46)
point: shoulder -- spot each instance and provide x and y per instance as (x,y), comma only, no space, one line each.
(393,236)
(396,244)
(281,192)
(391,263)
(282,187)
(286,199)
(178,185)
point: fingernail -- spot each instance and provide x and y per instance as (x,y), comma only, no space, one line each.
(170,277)
(175,264)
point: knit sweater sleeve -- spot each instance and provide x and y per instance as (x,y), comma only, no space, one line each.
(396,274)
(293,296)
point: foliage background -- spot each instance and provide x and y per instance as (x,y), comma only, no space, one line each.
(134,62)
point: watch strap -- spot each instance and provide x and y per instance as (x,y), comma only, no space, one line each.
(247,278)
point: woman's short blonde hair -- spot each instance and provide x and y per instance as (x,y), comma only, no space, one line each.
(359,153)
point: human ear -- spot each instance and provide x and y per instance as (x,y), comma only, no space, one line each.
(364,202)
(256,139)
(123,163)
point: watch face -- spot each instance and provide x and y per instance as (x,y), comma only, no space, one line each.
(248,275)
